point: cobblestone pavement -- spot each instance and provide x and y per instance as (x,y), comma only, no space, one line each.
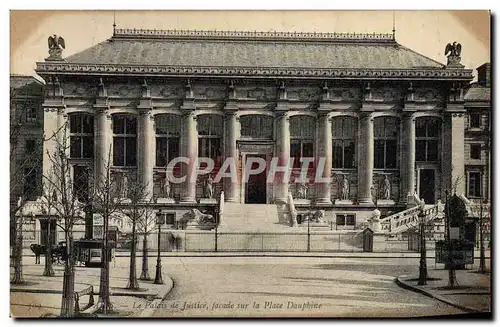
(272,287)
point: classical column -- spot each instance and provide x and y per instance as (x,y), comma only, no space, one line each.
(146,151)
(54,131)
(365,165)
(103,155)
(231,151)
(283,151)
(408,166)
(453,153)
(189,149)
(323,190)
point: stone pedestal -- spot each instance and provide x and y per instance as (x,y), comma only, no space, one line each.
(343,202)
(385,202)
(301,201)
(208,201)
(165,200)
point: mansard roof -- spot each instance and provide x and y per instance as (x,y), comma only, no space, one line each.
(181,52)
(365,51)
(478,93)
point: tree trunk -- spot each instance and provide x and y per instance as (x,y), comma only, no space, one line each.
(132,279)
(145,271)
(68,301)
(18,256)
(49,270)
(104,297)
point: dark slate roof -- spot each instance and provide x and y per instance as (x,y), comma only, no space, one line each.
(478,93)
(252,49)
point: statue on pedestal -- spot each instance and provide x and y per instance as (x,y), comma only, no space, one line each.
(166,188)
(344,188)
(386,189)
(209,188)
(124,188)
(319,216)
(302,190)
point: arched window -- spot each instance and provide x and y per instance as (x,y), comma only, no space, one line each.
(256,126)
(344,132)
(302,136)
(385,142)
(168,132)
(81,129)
(210,130)
(427,139)
(124,140)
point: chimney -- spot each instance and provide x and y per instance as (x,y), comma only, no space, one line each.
(484,74)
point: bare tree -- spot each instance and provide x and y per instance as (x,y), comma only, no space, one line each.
(146,225)
(103,200)
(136,212)
(67,209)
(22,166)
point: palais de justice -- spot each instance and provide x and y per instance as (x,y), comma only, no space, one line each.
(394,126)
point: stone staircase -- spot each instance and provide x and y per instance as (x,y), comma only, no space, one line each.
(239,217)
(402,221)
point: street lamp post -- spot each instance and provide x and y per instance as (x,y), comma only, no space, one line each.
(216,226)
(160,220)
(422,276)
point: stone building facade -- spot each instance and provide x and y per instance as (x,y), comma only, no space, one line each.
(389,122)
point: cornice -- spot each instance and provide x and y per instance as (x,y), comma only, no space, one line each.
(58,68)
(252,35)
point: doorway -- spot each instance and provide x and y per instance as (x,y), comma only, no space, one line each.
(255,188)
(427,185)
(44,229)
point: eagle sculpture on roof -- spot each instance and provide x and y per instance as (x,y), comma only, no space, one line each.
(453,51)
(56,42)
(56,46)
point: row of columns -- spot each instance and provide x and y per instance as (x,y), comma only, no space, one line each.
(189,148)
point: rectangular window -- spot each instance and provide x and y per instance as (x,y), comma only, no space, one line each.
(391,154)
(345,219)
(379,154)
(474,184)
(118,151)
(81,182)
(166,150)
(30,185)
(475,151)
(30,114)
(30,146)
(420,150)
(432,150)
(474,120)
(170,218)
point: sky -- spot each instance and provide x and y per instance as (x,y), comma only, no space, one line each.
(426,32)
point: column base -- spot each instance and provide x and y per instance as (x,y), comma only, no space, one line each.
(280,200)
(324,201)
(366,202)
(187,201)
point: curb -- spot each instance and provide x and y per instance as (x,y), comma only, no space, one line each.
(405,285)
(151,307)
